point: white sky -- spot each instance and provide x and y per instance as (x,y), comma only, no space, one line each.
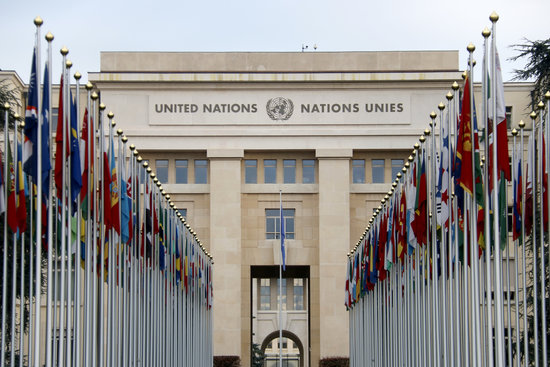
(86,28)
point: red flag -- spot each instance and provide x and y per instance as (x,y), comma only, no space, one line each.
(464,143)
(88,172)
(59,139)
(12,206)
(20,188)
(529,189)
(106,192)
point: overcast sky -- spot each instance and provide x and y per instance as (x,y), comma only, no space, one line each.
(86,28)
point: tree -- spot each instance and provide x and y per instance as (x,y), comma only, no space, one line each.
(538,66)
(257,356)
(8,95)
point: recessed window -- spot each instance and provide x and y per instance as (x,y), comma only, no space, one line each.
(161,166)
(289,171)
(298,294)
(183,212)
(270,171)
(273,223)
(358,171)
(396,166)
(281,296)
(201,171)
(265,294)
(308,171)
(53,122)
(378,171)
(181,171)
(250,171)
(509,117)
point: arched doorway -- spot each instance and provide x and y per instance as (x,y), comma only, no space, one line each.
(290,359)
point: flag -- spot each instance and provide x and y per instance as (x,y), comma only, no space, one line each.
(125,204)
(442,193)
(162,261)
(20,192)
(178,255)
(88,158)
(411,201)
(463,162)
(402,243)
(517,208)
(2,188)
(76,172)
(12,206)
(503,164)
(529,204)
(420,220)
(283,235)
(60,142)
(31,123)
(114,191)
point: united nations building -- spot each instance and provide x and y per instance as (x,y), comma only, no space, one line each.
(231,136)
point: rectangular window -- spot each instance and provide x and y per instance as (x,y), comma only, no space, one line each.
(378,171)
(273,223)
(201,171)
(161,166)
(289,171)
(358,170)
(270,171)
(509,117)
(298,294)
(308,171)
(396,166)
(183,212)
(250,171)
(265,294)
(281,292)
(53,122)
(181,171)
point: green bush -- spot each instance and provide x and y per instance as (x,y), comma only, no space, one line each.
(334,362)
(227,361)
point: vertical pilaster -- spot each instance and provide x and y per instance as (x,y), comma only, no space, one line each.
(334,240)
(225,237)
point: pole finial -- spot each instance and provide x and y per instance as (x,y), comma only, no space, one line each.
(493,17)
(38,21)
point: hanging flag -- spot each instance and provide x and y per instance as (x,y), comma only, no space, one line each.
(20,190)
(2,187)
(518,193)
(125,204)
(529,204)
(76,172)
(420,220)
(88,158)
(161,254)
(442,193)
(463,162)
(503,164)
(411,201)
(283,235)
(178,255)
(402,243)
(107,220)
(31,124)
(61,140)
(12,206)
(114,191)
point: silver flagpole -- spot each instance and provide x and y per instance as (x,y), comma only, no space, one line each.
(122,285)
(110,267)
(450,117)
(542,256)
(22,294)
(5,260)
(38,258)
(77,299)
(90,241)
(66,105)
(499,331)
(69,241)
(518,157)
(547,98)
(488,234)
(50,324)
(14,250)
(281,286)
(97,225)
(534,240)
(102,229)
(523,257)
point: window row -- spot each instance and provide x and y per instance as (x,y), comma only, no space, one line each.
(267,290)
(270,171)
(378,170)
(291,169)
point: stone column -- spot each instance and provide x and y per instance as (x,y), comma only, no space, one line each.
(334,242)
(225,237)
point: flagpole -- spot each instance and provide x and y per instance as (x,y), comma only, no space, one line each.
(14,245)
(523,258)
(22,284)
(5,260)
(281,283)
(547,98)
(516,172)
(38,258)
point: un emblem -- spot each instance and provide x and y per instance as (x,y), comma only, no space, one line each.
(279,108)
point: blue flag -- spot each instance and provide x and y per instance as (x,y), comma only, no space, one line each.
(76,172)
(283,235)
(31,124)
